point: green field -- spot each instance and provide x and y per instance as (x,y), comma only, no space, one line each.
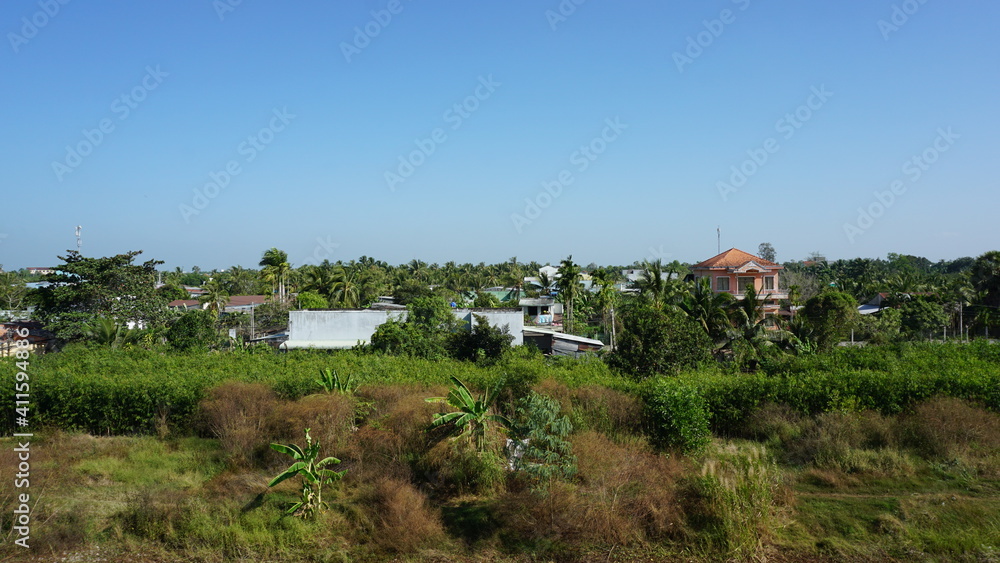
(869,454)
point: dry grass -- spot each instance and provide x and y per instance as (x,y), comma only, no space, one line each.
(624,494)
(593,407)
(236,414)
(631,490)
(403,519)
(330,419)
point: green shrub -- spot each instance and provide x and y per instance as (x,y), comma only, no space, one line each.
(194,329)
(679,417)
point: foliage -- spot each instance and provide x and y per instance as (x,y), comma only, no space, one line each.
(215,298)
(173,292)
(483,342)
(402,338)
(655,341)
(486,300)
(331,382)
(882,327)
(276,270)
(568,282)
(539,440)
(312,472)
(194,329)
(678,414)
(13,291)
(766,251)
(425,333)
(921,318)
(473,417)
(107,332)
(311,300)
(84,289)
(829,316)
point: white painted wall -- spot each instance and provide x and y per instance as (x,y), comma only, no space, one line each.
(344,328)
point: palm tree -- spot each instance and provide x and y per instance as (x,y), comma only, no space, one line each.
(276,269)
(607,297)
(569,288)
(215,297)
(546,282)
(985,278)
(651,284)
(240,281)
(751,328)
(709,308)
(345,288)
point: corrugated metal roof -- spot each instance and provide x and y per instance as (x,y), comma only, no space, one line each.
(564,336)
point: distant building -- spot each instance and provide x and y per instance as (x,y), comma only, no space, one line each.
(345,328)
(733,270)
(541,310)
(41,271)
(555,343)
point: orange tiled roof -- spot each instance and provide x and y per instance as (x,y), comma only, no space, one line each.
(734,258)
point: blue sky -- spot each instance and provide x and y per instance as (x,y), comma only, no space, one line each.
(414,129)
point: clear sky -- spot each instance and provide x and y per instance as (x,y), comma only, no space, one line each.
(204,133)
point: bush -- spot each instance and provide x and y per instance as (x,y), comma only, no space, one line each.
(403,518)
(655,341)
(678,415)
(949,429)
(330,419)
(631,491)
(483,342)
(236,413)
(730,504)
(194,329)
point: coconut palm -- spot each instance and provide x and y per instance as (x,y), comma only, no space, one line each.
(569,288)
(345,288)
(216,297)
(546,282)
(709,308)
(240,281)
(276,270)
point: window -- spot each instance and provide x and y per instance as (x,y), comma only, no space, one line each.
(769,282)
(744,281)
(721,284)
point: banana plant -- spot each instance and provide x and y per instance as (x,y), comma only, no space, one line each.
(331,381)
(473,415)
(313,475)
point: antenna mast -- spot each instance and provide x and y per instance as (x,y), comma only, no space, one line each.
(718,235)
(79,239)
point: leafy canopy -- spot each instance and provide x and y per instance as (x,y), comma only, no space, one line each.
(83,290)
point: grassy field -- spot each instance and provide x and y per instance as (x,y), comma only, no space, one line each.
(899,460)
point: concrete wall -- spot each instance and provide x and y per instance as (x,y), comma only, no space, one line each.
(344,328)
(513,319)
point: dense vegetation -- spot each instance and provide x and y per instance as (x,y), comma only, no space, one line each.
(839,455)
(710,432)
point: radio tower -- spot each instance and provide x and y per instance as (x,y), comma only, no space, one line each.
(79,239)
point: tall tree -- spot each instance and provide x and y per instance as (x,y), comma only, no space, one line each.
(276,269)
(986,281)
(346,290)
(569,289)
(766,251)
(216,296)
(708,308)
(13,291)
(85,289)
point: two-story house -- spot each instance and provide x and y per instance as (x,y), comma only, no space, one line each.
(733,270)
